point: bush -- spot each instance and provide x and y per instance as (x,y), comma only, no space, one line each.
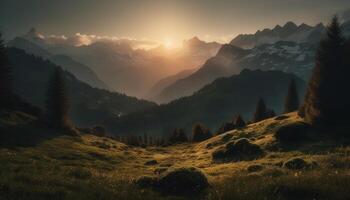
(219,154)
(293,132)
(255,168)
(296,164)
(147,181)
(240,150)
(183,181)
(200,133)
(228,126)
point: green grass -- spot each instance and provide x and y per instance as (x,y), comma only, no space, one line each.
(91,167)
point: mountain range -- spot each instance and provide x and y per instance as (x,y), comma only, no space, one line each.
(289,48)
(215,103)
(289,32)
(121,67)
(80,71)
(89,105)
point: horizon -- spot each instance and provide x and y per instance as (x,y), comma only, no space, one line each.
(164,22)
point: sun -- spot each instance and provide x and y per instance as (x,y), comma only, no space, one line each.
(169,44)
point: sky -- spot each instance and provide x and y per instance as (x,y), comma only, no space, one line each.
(160,20)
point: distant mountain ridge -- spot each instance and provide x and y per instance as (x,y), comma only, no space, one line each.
(213,104)
(278,54)
(165,82)
(118,65)
(82,72)
(289,32)
(89,105)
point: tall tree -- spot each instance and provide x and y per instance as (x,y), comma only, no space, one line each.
(292,100)
(5,77)
(200,133)
(261,110)
(57,105)
(327,98)
(239,122)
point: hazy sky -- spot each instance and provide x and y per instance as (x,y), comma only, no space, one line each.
(160,19)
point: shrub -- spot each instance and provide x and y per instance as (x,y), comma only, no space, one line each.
(219,154)
(293,132)
(296,164)
(255,168)
(183,181)
(200,133)
(240,150)
(147,181)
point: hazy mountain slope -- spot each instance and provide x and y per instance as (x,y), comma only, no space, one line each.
(218,66)
(165,82)
(88,105)
(29,47)
(119,65)
(213,104)
(82,72)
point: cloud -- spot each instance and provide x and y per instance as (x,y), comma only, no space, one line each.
(79,39)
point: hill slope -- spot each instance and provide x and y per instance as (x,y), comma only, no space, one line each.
(90,167)
(89,105)
(213,104)
(82,72)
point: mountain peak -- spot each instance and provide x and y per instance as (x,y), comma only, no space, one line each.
(33,33)
(277,27)
(193,41)
(304,26)
(290,24)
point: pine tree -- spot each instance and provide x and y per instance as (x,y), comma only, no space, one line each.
(178,136)
(292,99)
(5,78)
(57,105)
(200,133)
(239,122)
(327,100)
(261,110)
(227,126)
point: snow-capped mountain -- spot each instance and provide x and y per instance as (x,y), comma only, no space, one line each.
(289,32)
(283,56)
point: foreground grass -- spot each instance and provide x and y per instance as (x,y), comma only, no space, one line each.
(90,167)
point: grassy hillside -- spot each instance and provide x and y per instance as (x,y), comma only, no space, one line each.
(91,167)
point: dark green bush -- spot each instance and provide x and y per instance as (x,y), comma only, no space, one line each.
(293,132)
(240,150)
(183,181)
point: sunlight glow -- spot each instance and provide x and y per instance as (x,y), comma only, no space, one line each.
(169,44)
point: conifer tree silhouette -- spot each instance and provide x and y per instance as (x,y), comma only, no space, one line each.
(57,105)
(327,99)
(5,78)
(292,100)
